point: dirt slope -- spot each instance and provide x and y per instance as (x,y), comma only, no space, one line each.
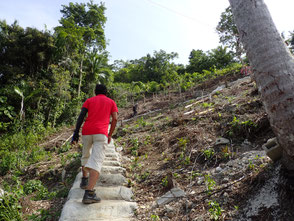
(175,142)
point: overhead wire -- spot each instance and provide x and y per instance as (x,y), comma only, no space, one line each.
(180,14)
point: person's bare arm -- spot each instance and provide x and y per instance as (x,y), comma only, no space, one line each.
(113,125)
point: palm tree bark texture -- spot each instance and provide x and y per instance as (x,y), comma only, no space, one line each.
(273,69)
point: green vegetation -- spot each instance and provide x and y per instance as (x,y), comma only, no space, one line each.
(215,210)
(182,143)
(208,153)
(41,192)
(142,123)
(154,217)
(135,146)
(228,33)
(10,209)
(209,182)
(241,128)
(164,181)
(20,149)
(207,105)
(43,215)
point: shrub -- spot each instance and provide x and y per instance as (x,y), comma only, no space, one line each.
(36,186)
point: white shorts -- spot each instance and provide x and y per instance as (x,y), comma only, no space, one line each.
(94,151)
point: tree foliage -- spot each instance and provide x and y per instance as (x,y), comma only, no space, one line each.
(81,33)
(218,58)
(154,67)
(221,57)
(24,54)
(199,61)
(228,33)
(43,74)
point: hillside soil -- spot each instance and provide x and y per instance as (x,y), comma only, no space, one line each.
(207,142)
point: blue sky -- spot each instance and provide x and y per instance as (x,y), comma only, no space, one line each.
(137,27)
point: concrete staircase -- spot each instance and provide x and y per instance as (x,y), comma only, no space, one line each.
(116,199)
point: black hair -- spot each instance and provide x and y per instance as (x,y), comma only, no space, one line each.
(100,89)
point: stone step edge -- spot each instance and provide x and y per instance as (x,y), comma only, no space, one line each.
(126,210)
(105,193)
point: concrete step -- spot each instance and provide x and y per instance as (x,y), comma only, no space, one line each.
(75,210)
(112,170)
(116,204)
(112,155)
(111,163)
(111,179)
(104,180)
(113,158)
(105,193)
(110,147)
(110,151)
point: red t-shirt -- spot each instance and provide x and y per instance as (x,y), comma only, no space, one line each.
(99,108)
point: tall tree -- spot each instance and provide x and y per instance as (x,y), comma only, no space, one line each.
(81,30)
(218,58)
(221,57)
(273,68)
(25,59)
(199,61)
(147,68)
(159,65)
(97,70)
(24,53)
(228,33)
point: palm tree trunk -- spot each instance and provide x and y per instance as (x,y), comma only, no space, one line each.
(273,69)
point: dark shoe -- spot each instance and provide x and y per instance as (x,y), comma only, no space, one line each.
(90,197)
(84,183)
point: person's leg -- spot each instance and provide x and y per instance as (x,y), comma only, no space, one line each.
(90,195)
(94,166)
(95,161)
(87,141)
(85,171)
(94,176)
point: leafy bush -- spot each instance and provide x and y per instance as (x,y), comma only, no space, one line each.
(135,146)
(66,147)
(240,128)
(8,162)
(153,87)
(36,186)
(19,149)
(42,215)
(32,186)
(209,183)
(215,210)
(208,153)
(7,114)
(10,209)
